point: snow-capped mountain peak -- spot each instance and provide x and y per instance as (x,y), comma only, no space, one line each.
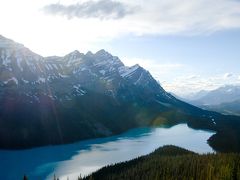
(102,52)
(101,72)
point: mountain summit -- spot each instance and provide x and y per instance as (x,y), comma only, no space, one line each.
(56,100)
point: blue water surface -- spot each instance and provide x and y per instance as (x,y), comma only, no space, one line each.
(84,157)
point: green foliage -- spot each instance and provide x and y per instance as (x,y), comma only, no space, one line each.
(170,162)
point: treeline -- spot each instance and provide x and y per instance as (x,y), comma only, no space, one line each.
(171,163)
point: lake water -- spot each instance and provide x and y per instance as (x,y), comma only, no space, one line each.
(87,156)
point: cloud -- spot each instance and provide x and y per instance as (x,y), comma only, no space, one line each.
(158,17)
(184,85)
(193,77)
(158,69)
(227,75)
(103,9)
(90,24)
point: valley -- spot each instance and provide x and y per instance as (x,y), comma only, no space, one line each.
(58,100)
(119,90)
(57,111)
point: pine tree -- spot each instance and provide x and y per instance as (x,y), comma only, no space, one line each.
(25,177)
(80,177)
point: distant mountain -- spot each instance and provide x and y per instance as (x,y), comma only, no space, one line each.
(195,96)
(224,100)
(56,100)
(225,94)
(230,108)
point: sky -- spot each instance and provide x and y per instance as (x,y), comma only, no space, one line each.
(186,45)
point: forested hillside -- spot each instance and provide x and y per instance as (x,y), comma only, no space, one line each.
(170,162)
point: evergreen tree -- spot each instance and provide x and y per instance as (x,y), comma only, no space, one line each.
(25,177)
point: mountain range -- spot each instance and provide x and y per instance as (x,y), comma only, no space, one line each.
(57,100)
(224,94)
(225,99)
(231,108)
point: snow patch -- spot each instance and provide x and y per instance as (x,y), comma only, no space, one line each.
(50,66)
(73,60)
(102,72)
(19,60)
(11,79)
(41,80)
(6,59)
(164,104)
(55,66)
(140,77)
(46,65)
(25,81)
(63,76)
(78,90)
(127,71)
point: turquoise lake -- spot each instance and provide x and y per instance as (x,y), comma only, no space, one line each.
(84,157)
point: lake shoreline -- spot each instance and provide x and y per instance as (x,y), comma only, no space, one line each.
(89,155)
